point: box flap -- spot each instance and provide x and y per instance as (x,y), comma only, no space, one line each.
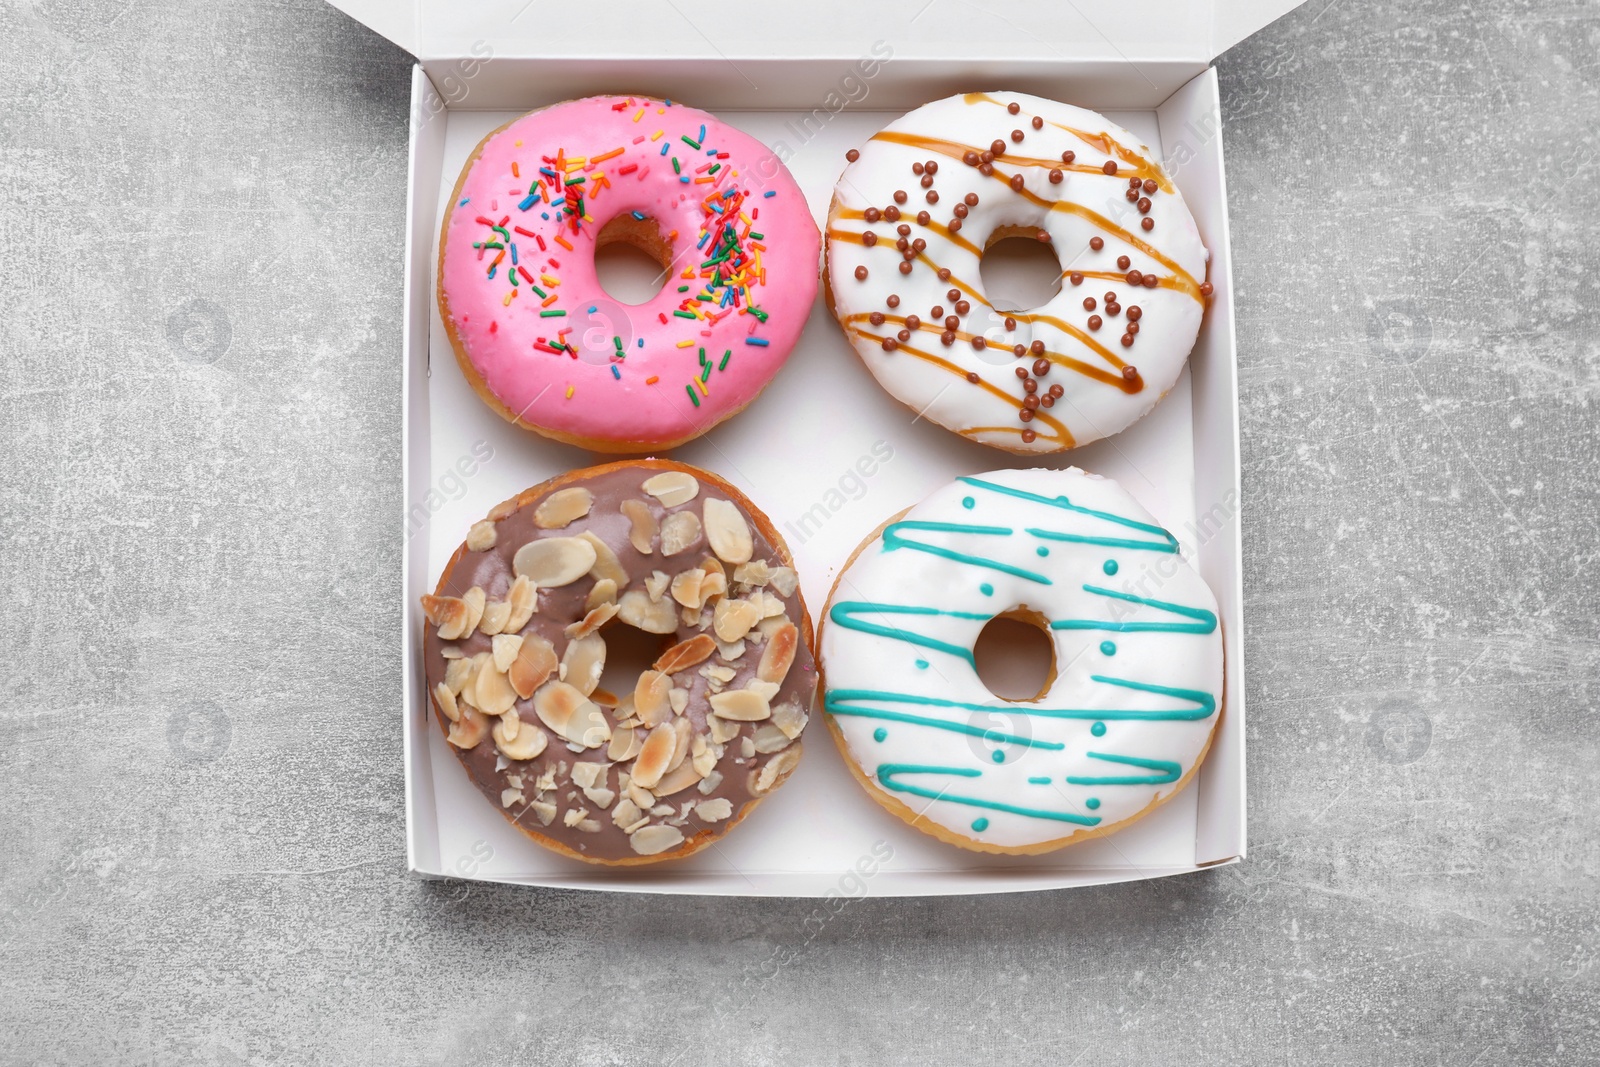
(1237,19)
(394,19)
(989,29)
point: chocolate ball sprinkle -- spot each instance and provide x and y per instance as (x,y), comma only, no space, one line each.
(1047,401)
(876,318)
(1089,303)
(869,238)
(927,181)
(905,267)
(1135,277)
(913,322)
(1055,177)
(955,226)
(1135,313)
(890,344)
(891,213)
(1150,185)
(986,169)
(1076,278)
(1144,205)
(1030,402)
(951,322)
(1037,348)
(960,211)
(893,301)
(1151,281)
(1016,136)
(972,376)
(1022,373)
(1097,243)
(852,155)
(1110,166)
(1037,123)
(931,196)
(971,200)
(1013,107)
(1130,372)
(923,218)
(1068,157)
(904,335)
(953,295)
(1094,322)
(1205,289)
(962,307)
(1025,415)
(1056,391)
(1147,223)
(979,343)
(1123,262)
(1018,350)
(872,214)
(1133,328)
(1011,323)
(861,274)
(1016,182)
(916,168)
(944,274)
(947,338)
(970,159)
(1041,367)
(919,244)
(998,147)
(899,196)
(932,166)
(937,312)
(1029,437)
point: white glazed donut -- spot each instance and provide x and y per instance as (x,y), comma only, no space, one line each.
(1132,701)
(921,201)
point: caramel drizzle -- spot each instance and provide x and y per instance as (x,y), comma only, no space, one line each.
(1103,143)
(1061,436)
(1183,281)
(1088,370)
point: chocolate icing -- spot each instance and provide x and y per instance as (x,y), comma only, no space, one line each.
(492,571)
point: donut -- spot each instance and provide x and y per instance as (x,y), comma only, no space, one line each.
(914,212)
(1126,713)
(537,336)
(515,652)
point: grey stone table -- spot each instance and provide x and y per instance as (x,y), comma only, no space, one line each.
(202,798)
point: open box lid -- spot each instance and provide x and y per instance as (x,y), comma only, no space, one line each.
(1170,32)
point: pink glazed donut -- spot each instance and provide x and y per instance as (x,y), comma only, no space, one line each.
(538,337)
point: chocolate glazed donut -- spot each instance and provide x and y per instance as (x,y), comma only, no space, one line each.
(516,643)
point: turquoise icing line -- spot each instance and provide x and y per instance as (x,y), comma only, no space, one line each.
(1204,621)
(836,703)
(887,773)
(846,701)
(1170,771)
(893,540)
(1168,543)
(844,613)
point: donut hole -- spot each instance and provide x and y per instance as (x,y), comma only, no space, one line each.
(1016,656)
(630,652)
(1019,271)
(632,259)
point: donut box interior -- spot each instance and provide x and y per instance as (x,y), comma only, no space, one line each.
(810,451)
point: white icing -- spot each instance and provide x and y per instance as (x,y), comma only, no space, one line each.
(1090,409)
(882,575)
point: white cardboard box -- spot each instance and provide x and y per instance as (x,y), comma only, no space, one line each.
(795,83)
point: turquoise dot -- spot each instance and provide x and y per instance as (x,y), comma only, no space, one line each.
(998,756)
(1109,648)
(980,825)
(1098,729)
(1092,803)
(1110,566)
(922,664)
(1043,551)
(879,734)
(986,589)
(968,503)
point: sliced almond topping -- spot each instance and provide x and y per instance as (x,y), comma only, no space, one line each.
(624,745)
(642,533)
(672,487)
(600,797)
(448,614)
(571,715)
(481,537)
(785,581)
(653,840)
(450,652)
(790,717)
(457,674)
(655,756)
(713,585)
(588,774)
(526,743)
(606,565)
(640,796)
(506,647)
(562,508)
(722,730)
(776,769)
(651,694)
(778,656)
(446,699)
(626,812)
(679,532)
(766,690)
(544,811)
(741,705)
(475,601)
(574,817)
(583,662)
(656,585)
(714,810)
(679,699)
(704,756)
(654,617)
(495,614)
(505,509)
(524,601)
(677,780)
(535,663)
(590,623)
(604,592)
(727,531)
(686,588)
(468,730)
(491,690)
(733,619)
(683,736)
(686,654)
(552,562)
(711,782)
(509,797)
(769,739)
(754,573)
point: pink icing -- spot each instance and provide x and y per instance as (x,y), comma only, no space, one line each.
(583,388)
